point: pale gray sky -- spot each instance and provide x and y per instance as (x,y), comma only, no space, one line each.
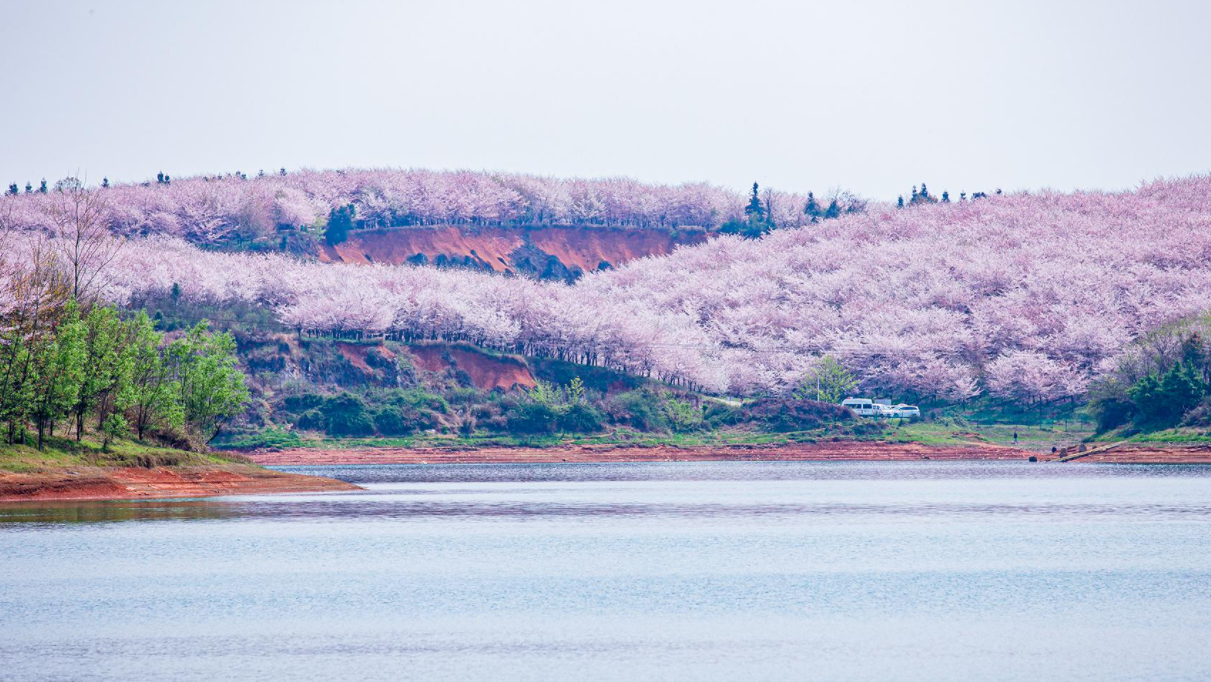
(871,96)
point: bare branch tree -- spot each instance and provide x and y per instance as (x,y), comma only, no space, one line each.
(83,241)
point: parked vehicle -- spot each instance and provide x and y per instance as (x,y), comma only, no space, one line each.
(904,411)
(865,407)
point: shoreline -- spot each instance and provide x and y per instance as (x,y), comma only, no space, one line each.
(81,484)
(830,451)
(136,483)
(876,451)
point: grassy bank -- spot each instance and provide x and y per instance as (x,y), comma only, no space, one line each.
(63,453)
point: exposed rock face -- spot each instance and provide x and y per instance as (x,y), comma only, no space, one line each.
(485,372)
(543,252)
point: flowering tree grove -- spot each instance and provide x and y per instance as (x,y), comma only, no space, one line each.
(1023,296)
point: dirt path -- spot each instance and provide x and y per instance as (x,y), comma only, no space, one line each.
(96,483)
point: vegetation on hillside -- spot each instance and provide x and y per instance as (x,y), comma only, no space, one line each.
(70,363)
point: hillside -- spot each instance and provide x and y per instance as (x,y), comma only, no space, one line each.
(1026,296)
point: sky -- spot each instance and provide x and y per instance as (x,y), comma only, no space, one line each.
(869,96)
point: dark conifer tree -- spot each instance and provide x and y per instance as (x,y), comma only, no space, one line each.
(12,189)
(945,197)
(812,208)
(754,207)
(105,182)
(900,201)
(42,187)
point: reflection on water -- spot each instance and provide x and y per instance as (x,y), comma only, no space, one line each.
(705,571)
(119,510)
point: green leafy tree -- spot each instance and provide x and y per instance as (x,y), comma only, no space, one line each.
(545,393)
(212,387)
(102,364)
(682,414)
(154,397)
(59,372)
(575,391)
(827,382)
(1161,400)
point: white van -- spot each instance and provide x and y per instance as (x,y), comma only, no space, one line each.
(864,407)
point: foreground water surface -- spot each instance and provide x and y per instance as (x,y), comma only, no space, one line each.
(696,571)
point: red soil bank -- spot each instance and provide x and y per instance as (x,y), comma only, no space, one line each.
(92,483)
(486,371)
(583,247)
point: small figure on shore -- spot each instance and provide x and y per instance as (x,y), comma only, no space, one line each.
(1015,437)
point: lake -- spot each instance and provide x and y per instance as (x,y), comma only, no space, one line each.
(668,571)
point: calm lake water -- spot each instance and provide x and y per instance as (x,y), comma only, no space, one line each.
(679,571)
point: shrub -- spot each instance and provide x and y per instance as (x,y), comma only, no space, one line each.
(312,420)
(1111,412)
(682,414)
(720,414)
(793,414)
(639,408)
(419,399)
(532,418)
(346,416)
(302,402)
(390,422)
(581,418)
(269,438)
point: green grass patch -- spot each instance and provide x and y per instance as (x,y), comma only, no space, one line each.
(59,453)
(1177,436)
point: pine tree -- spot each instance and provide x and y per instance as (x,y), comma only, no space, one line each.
(755,208)
(900,201)
(945,197)
(12,189)
(105,182)
(812,208)
(42,187)
(340,221)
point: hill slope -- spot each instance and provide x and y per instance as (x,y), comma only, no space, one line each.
(1025,296)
